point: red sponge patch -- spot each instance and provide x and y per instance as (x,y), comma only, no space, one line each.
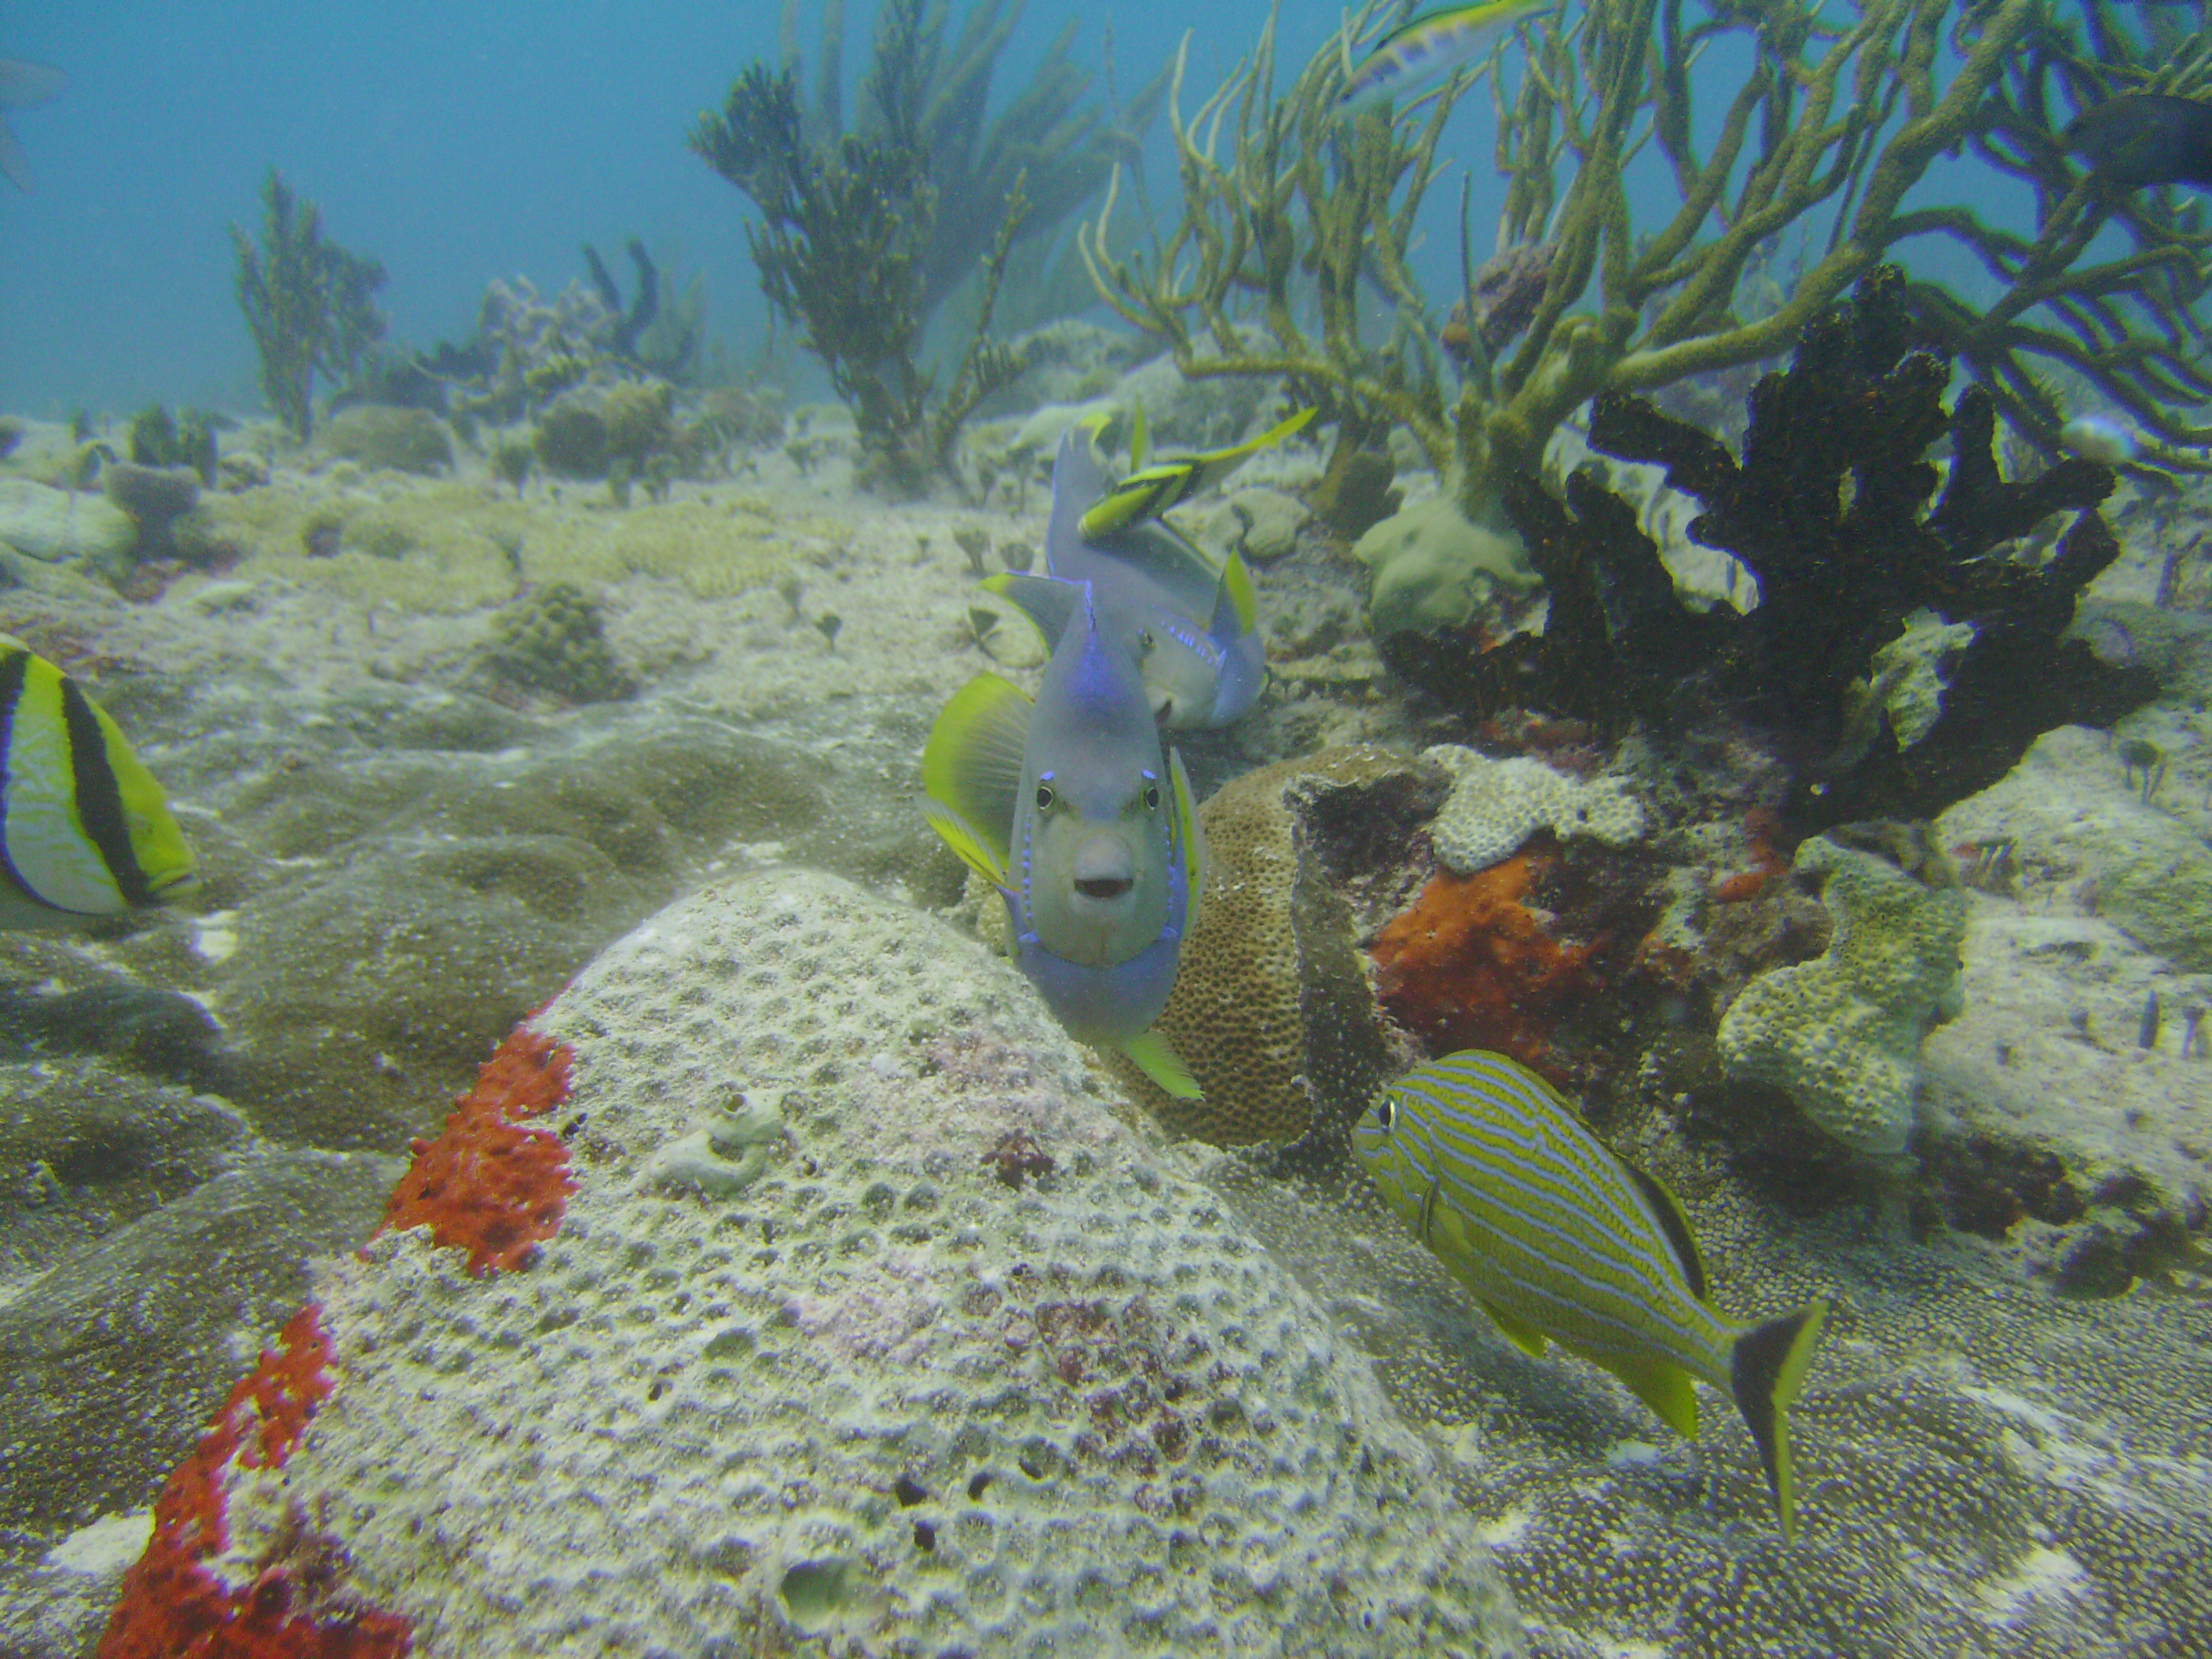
(292,1606)
(487,1184)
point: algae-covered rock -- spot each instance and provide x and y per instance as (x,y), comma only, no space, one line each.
(54,525)
(1435,569)
(969,1367)
(1841,1035)
(637,414)
(397,439)
(554,641)
(571,439)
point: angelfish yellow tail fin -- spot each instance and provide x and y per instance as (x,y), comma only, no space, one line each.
(1160,1062)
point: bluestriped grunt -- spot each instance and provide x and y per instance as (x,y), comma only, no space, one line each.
(1559,1237)
(84,829)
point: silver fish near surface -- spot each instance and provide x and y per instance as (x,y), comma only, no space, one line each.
(1559,1239)
(85,830)
(1068,807)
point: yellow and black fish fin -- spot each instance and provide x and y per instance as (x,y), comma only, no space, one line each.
(971,772)
(1157,1058)
(1765,1369)
(1661,1384)
(1675,1222)
(1518,1331)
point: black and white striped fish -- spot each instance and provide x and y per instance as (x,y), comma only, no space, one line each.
(1559,1237)
(84,829)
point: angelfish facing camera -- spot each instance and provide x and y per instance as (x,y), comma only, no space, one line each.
(1559,1237)
(1068,807)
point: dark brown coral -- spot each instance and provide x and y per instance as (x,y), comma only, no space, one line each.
(1833,510)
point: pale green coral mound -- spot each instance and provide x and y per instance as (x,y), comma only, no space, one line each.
(1434,568)
(1496,804)
(1841,1035)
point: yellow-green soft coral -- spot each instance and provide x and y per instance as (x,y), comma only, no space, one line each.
(1841,1035)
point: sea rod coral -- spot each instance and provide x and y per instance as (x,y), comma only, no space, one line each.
(1292,210)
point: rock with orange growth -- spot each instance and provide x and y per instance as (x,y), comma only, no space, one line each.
(1271,1009)
(1472,965)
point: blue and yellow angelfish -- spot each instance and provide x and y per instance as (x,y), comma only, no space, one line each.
(1068,805)
(85,830)
(1559,1237)
(1196,623)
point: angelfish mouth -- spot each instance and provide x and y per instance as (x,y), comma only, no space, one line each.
(1104,887)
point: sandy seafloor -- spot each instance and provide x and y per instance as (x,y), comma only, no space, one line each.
(404,849)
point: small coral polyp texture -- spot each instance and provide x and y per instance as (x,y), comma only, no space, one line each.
(1496,805)
(868,1394)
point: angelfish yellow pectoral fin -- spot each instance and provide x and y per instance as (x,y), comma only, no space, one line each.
(964,839)
(971,772)
(1160,1062)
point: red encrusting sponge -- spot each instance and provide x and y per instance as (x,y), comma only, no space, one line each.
(487,1184)
(172,1604)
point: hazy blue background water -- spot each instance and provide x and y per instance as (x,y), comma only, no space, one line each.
(456,143)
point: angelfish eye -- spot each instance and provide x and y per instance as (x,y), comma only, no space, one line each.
(1044,798)
(1151,798)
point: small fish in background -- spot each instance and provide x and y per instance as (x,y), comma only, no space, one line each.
(1559,1237)
(2142,138)
(1150,490)
(22,83)
(84,829)
(2104,438)
(1066,806)
(1426,46)
(1196,623)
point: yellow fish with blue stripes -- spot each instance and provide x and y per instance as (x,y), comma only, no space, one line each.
(84,829)
(1150,490)
(1424,48)
(1559,1237)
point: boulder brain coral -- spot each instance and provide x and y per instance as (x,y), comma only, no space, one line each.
(881,1400)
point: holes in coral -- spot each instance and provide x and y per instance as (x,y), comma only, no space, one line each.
(978,1483)
(908,1491)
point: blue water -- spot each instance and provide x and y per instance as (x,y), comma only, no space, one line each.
(457,144)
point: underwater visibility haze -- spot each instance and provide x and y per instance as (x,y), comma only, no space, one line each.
(972,828)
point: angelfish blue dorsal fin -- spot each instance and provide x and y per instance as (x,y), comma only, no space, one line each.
(1048,601)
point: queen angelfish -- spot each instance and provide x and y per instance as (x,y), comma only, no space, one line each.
(1559,1237)
(1068,808)
(1195,623)
(84,829)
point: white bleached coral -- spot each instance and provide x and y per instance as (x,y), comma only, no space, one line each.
(1496,804)
(970,1367)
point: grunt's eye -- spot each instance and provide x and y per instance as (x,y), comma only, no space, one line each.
(1152,798)
(1384,1112)
(1044,798)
